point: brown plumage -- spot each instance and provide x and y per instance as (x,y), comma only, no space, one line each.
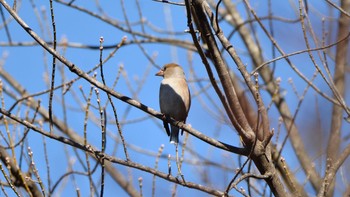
(174,97)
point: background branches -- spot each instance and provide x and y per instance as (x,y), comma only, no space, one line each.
(79,100)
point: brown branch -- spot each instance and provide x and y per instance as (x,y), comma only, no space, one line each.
(287,175)
(180,43)
(334,140)
(261,151)
(97,154)
(294,134)
(265,133)
(16,174)
(247,133)
(341,9)
(210,73)
(333,168)
(169,2)
(73,68)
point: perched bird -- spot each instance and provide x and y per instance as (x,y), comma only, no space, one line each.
(174,97)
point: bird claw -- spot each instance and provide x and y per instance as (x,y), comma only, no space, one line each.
(182,177)
(164,117)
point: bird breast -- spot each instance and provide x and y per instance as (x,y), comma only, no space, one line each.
(174,98)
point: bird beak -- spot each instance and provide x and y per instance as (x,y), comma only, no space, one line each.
(160,73)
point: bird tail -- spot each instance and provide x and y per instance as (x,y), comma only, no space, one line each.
(174,136)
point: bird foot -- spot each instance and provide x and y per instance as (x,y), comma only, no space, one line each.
(182,177)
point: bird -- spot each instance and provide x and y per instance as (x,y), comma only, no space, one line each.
(174,97)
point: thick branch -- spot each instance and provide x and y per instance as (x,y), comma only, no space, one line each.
(223,72)
(17,174)
(260,150)
(334,140)
(280,102)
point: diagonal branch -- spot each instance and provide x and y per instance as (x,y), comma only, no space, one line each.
(260,149)
(16,174)
(247,133)
(73,68)
(97,154)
